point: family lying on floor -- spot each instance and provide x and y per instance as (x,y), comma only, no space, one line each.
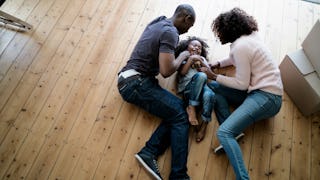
(255,90)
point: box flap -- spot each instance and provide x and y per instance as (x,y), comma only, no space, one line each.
(301,61)
(311,46)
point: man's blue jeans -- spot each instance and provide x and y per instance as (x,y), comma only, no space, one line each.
(146,93)
(198,93)
(252,107)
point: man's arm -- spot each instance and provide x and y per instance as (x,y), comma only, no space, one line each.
(168,64)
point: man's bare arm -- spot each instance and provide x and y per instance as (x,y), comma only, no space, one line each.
(168,64)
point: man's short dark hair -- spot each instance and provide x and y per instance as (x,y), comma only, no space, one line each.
(185,9)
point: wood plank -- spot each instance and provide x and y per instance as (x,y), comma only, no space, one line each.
(281,142)
(20,9)
(101,133)
(301,136)
(126,168)
(315,146)
(301,147)
(22,13)
(21,72)
(21,127)
(30,79)
(78,61)
(282,133)
(58,92)
(273,36)
(12,58)
(74,103)
(289,32)
(11,6)
(83,125)
(6,127)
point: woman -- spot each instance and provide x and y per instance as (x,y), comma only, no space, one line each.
(256,87)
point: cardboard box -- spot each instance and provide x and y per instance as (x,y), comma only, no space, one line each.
(300,73)
(311,46)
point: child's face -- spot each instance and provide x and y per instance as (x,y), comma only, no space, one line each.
(195,47)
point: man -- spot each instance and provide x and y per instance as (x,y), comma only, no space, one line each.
(137,84)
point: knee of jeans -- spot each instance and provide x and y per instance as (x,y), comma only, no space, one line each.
(181,118)
(209,95)
(202,76)
(222,133)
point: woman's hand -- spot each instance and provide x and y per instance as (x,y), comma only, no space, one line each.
(210,74)
(215,65)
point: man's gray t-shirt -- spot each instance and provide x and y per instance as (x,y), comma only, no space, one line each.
(159,36)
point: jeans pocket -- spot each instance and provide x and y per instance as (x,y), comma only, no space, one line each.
(122,87)
(270,104)
(128,91)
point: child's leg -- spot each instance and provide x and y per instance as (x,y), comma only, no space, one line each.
(192,115)
(195,87)
(208,100)
(207,107)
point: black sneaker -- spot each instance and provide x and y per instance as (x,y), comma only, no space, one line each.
(149,164)
(219,149)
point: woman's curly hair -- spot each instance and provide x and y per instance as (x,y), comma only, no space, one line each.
(183,45)
(230,25)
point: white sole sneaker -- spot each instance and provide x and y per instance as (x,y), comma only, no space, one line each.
(220,149)
(156,176)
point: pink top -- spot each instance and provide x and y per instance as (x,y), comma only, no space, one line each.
(255,67)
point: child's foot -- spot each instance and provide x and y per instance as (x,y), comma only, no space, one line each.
(202,131)
(192,115)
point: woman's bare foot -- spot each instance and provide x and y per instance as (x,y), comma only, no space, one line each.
(202,131)
(191,110)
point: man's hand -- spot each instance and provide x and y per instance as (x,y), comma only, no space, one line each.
(185,54)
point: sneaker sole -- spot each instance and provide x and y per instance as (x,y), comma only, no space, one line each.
(147,167)
(219,149)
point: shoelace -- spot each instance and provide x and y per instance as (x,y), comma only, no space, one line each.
(156,165)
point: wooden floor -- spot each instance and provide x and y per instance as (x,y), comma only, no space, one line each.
(61,116)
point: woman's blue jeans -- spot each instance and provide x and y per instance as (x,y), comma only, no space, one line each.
(252,107)
(146,93)
(198,93)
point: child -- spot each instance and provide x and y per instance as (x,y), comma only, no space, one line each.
(192,84)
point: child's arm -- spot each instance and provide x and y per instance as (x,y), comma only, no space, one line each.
(189,62)
(185,66)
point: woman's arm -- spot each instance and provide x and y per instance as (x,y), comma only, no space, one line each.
(241,80)
(225,62)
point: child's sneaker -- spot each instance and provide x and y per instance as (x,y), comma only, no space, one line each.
(219,149)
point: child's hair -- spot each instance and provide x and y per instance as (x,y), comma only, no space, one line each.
(183,45)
